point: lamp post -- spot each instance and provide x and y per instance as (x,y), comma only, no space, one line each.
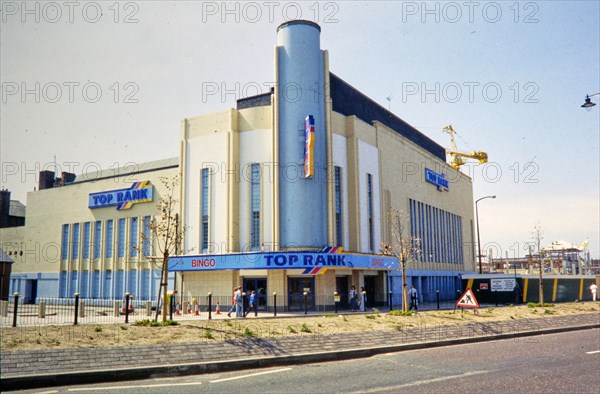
(477,220)
(588,102)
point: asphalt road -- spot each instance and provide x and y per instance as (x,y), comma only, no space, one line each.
(567,362)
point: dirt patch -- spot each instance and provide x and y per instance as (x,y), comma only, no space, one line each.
(103,335)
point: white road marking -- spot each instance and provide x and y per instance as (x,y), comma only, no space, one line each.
(136,386)
(420,382)
(251,375)
(595,351)
(48,392)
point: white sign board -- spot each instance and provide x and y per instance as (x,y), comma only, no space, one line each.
(506,284)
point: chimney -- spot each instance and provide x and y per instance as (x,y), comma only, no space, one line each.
(46,180)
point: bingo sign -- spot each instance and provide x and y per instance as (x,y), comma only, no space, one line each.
(309,147)
(139,192)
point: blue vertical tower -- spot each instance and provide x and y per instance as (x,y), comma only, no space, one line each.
(300,80)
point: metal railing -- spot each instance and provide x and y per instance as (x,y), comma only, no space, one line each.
(79,310)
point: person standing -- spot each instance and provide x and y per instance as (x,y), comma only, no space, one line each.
(352,296)
(363,299)
(594,290)
(412,294)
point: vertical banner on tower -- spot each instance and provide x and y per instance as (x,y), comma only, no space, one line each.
(309,159)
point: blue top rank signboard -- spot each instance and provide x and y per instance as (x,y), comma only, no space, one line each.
(438,180)
(123,198)
(311,262)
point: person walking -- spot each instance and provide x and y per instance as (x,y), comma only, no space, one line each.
(232,309)
(238,302)
(594,290)
(352,296)
(253,304)
(412,294)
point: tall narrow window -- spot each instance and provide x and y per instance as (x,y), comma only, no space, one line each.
(339,233)
(204,214)
(109,239)
(97,239)
(146,236)
(121,238)
(370,210)
(133,237)
(75,242)
(87,229)
(255,206)
(65,242)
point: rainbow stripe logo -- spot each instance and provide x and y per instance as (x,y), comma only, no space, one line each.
(322,270)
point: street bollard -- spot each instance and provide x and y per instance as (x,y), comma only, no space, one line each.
(437,298)
(148,308)
(274,303)
(81,308)
(390,302)
(305,305)
(335,300)
(209,305)
(76,308)
(4,308)
(244,304)
(171,307)
(127,307)
(496,298)
(16,307)
(116,308)
(42,310)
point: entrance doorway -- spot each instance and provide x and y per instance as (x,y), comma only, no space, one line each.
(296,289)
(30,291)
(341,286)
(371,290)
(259,285)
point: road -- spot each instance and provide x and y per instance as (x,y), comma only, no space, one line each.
(566,362)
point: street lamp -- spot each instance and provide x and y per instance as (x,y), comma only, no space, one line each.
(588,101)
(477,220)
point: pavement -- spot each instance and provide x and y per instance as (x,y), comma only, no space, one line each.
(55,367)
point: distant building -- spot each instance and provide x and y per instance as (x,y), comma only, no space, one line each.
(12,212)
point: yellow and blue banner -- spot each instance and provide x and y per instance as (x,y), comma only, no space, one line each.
(309,147)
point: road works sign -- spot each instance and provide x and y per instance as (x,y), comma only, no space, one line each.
(467,300)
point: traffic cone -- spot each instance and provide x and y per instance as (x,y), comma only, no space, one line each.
(177,306)
(218,310)
(196,310)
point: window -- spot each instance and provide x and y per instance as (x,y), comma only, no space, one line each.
(204,210)
(65,242)
(97,239)
(133,237)
(370,210)
(75,242)
(255,206)
(442,242)
(109,239)
(339,234)
(87,228)
(121,238)
(146,236)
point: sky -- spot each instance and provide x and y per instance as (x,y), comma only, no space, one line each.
(107,84)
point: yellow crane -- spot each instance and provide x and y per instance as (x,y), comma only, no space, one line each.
(456,157)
